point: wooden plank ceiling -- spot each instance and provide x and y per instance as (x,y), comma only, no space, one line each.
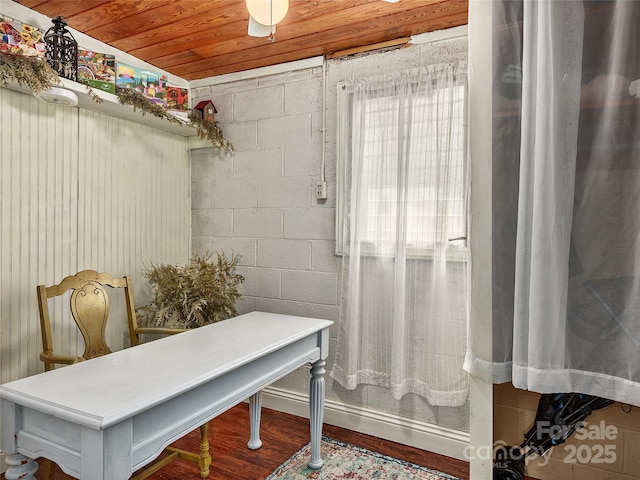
(196,39)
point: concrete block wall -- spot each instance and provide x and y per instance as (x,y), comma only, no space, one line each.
(260,202)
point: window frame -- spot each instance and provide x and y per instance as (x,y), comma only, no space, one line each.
(343,142)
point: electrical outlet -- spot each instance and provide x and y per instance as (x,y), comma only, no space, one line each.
(321,190)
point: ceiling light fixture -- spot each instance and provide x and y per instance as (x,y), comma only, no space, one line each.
(264,15)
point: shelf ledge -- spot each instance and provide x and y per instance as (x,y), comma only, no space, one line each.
(111,106)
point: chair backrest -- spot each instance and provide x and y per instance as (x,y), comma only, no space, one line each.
(89,305)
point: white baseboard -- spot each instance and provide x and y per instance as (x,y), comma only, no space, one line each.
(414,433)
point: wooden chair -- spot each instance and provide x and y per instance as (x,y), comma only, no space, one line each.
(89,304)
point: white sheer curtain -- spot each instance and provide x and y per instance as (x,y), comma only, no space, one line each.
(565,189)
(404,305)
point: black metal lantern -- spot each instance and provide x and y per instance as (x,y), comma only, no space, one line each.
(61,50)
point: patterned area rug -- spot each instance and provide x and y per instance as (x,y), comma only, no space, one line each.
(344,461)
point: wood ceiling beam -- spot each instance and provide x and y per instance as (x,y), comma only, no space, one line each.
(369,48)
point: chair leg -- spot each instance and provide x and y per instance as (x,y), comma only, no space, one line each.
(205,457)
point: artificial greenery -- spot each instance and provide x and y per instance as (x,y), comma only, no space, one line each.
(205,130)
(203,291)
(128,96)
(209,131)
(31,72)
(90,91)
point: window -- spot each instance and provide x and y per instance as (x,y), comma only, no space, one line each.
(401,160)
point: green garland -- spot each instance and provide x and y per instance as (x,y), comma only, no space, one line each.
(90,91)
(37,75)
(128,96)
(209,131)
(205,130)
(31,72)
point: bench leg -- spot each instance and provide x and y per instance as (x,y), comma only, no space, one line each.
(255,408)
(20,467)
(316,411)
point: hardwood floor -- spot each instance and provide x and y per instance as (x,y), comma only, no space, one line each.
(282,435)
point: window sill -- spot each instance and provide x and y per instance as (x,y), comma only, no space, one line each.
(452,255)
